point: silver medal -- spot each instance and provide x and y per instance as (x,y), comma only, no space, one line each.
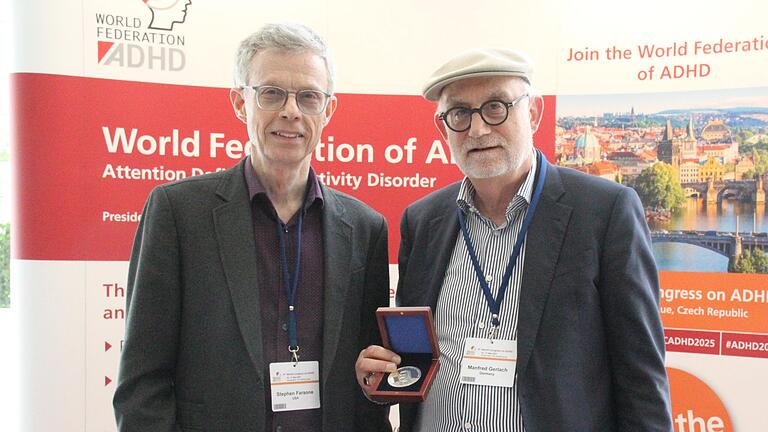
(404,376)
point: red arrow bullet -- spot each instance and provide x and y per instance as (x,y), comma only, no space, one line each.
(107,346)
(106,381)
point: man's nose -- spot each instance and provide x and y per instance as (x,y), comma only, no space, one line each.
(290,109)
(477,126)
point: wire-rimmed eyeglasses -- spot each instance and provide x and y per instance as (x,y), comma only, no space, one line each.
(273,98)
(493,112)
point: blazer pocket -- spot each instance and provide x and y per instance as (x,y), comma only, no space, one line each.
(189,415)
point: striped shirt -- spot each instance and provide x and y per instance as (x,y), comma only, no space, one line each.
(462,312)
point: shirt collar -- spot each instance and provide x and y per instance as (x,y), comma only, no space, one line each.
(255,188)
(466,198)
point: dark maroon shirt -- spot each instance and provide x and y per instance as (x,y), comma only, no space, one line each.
(273,299)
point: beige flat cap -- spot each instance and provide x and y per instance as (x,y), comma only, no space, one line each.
(478,63)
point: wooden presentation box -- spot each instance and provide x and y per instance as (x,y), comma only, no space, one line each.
(410,332)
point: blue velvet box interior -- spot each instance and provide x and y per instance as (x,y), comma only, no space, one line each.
(409,337)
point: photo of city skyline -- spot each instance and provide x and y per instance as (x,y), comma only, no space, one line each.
(698,161)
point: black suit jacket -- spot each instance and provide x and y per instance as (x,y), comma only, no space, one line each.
(590,339)
(192,358)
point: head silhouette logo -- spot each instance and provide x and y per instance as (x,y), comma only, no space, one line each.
(166,13)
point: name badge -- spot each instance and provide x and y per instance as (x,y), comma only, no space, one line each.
(295,386)
(489,362)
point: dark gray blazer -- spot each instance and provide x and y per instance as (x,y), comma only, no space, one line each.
(590,339)
(192,358)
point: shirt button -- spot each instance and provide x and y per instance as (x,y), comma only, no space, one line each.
(279,429)
(284,327)
(481,325)
(467,425)
(489,278)
(496,233)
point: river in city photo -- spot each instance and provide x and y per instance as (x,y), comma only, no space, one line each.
(698,215)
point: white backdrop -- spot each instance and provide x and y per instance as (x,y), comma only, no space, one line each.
(76,86)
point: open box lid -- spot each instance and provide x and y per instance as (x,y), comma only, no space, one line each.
(408,330)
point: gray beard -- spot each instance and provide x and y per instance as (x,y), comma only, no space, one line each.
(509,163)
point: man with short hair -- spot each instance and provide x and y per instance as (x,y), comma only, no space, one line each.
(542,278)
(252,290)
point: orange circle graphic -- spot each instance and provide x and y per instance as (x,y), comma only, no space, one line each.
(695,406)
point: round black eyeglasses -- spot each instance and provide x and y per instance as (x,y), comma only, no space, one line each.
(493,112)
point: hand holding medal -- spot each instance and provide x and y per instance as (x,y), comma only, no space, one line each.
(402,370)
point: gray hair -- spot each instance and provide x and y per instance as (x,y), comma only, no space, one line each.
(527,86)
(289,37)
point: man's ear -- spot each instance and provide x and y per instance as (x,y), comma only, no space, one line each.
(238,103)
(440,125)
(535,110)
(329,110)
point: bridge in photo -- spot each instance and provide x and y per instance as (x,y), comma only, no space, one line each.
(715,191)
(728,244)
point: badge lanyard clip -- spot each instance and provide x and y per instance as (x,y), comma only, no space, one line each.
(494,326)
(294,354)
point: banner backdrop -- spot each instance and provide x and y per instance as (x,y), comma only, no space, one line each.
(113,97)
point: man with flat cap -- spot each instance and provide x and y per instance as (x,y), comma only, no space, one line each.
(542,279)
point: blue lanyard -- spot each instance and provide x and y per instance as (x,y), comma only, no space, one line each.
(291,284)
(495,304)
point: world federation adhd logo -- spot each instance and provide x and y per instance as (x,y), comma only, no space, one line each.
(149,41)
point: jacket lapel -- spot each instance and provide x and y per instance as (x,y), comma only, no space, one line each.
(434,243)
(234,233)
(542,250)
(337,242)
(443,232)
